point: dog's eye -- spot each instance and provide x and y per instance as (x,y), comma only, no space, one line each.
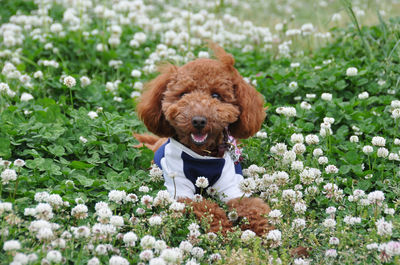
(215,95)
(182,94)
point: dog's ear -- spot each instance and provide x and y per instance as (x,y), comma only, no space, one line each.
(149,107)
(224,57)
(252,113)
(250,102)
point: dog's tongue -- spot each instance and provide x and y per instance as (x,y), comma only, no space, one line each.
(199,138)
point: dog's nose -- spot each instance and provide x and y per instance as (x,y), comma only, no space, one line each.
(199,122)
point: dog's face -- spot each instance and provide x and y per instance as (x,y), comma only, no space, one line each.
(195,103)
(199,103)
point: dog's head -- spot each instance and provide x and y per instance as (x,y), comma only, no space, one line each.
(196,102)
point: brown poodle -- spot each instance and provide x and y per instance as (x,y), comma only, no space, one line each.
(200,107)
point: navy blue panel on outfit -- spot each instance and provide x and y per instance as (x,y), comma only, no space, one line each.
(160,154)
(208,168)
(238,169)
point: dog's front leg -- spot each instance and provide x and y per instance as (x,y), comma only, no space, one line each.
(255,210)
(211,213)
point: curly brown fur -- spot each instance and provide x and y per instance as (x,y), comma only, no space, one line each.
(209,89)
(211,213)
(255,210)
(150,141)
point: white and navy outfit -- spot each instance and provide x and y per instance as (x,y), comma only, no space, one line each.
(186,166)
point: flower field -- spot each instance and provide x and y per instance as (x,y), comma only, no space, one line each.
(75,190)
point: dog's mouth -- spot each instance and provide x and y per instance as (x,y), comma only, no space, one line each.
(199,138)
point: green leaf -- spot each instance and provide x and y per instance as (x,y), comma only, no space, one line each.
(340,85)
(80,165)
(5,149)
(86,182)
(57,150)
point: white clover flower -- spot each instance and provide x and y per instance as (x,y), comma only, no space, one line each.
(329,223)
(334,241)
(144,189)
(372,246)
(331,253)
(322,160)
(329,120)
(197,252)
(392,248)
(378,141)
(261,134)
(43,211)
(293,84)
(45,234)
(155,220)
(11,245)
(299,208)
(382,152)
(8,175)
(367,149)
(117,220)
(177,206)
(395,104)
(297,165)
(280,177)
(312,139)
(54,256)
(351,71)
(305,105)
(376,197)
(331,169)
(275,235)
(384,228)
(147,200)
(297,138)
(146,255)
(136,73)
(101,249)
(81,231)
(202,182)
(147,242)
(20,259)
(26,97)
(172,255)
(94,261)
(247,235)
(92,114)
(298,224)
(331,210)
(19,162)
(85,81)
(118,260)
(80,211)
(83,139)
(69,81)
(318,152)
(396,113)
(247,186)
(185,246)
(289,156)
(157,261)
(117,196)
(363,95)
(326,96)
(350,220)
(299,148)
(130,239)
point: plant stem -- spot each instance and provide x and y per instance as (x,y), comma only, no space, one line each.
(15,189)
